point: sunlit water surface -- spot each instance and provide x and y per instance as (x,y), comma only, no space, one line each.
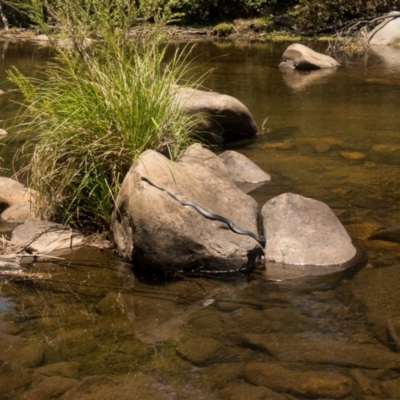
(88,328)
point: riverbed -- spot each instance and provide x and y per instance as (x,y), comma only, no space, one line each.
(89,326)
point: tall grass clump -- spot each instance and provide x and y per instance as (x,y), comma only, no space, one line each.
(104,99)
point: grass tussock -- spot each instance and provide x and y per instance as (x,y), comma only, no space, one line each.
(92,112)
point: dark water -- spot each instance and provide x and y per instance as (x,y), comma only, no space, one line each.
(88,328)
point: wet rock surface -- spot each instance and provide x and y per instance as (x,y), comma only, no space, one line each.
(376,292)
(310,384)
(286,347)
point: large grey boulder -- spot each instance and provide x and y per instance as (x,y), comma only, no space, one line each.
(387,32)
(302,57)
(304,231)
(155,231)
(222,118)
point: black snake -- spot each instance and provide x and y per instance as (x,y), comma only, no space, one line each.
(208,215)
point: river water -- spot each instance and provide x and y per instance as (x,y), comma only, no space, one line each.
(88,327)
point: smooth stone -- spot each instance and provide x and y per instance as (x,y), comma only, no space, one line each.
(222,118)
(302,57)
(21,351)
(309,384)
(12,378)
(45,237)
(241,391)
(134,386)
(393,330)
(116,305)
(18,213)
(243,169)
(297,348)
(377,292)
(69,345)
(202,351)
(368,386)
(304,231)
(352,155)
(391,234)
(69,369)
(49,387)
(3,132)
(391,388)
(13,192)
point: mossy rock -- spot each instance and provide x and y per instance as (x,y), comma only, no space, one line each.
(223,29)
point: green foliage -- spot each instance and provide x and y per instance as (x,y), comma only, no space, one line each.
(223,29)
(208,11)
(311,14)
(95,109)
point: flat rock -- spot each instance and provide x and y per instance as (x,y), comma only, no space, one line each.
(45,237)
(134,386)
(309,384)
(292,348)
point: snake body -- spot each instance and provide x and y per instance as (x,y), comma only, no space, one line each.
(208,215)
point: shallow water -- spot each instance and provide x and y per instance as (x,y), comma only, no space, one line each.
(88,328)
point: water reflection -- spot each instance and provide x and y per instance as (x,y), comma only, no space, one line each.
(89,327)
(299,80)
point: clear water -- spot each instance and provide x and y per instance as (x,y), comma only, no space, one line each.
(90,328)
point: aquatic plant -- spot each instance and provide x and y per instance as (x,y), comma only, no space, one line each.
(106,98)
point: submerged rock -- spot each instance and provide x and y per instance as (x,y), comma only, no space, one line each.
(376,291)
(292,348)
(156,231)
(310,384)
(240,391)
(222,118)
(304,231)
(12,378)
(302,57)
(202,351)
